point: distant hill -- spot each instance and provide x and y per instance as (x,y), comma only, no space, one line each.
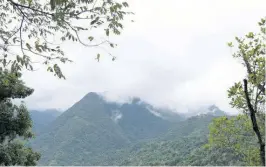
(181,146)
(210,110)
(140,122)
(41,119)
(92,126)
(96,132)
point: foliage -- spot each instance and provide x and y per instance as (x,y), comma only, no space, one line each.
(236,133)
(241,133)
(89,128)
(251,52)
(86,134)
(41,119)
(183,150)
(15,122)
(15,153)
(34,30)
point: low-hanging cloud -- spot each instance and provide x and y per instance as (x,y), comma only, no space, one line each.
(174,55)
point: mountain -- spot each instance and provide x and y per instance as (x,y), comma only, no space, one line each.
(185,150)
(96,132)
(41,119)
(182,146)
(214,110)
(139,122)
(209,110)
(84,130)
(92,126)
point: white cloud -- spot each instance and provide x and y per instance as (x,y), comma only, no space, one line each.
(175,55)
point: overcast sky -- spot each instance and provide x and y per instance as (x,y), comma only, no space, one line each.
(174,55)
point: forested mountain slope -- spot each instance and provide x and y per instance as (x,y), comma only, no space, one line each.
(96,132)
(41,119)
(182,146)
(92,127)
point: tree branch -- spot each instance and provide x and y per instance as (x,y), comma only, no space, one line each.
(20,35)
(249,70)
(256,99)
(76,32)
(28,7)
(254,123)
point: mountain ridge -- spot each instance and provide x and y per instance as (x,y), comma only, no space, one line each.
(92,126)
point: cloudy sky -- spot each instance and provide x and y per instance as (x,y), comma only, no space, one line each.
(173,55)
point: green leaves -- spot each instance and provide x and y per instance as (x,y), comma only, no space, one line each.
(90,38)
(28,46)
(98,57)
(58,72)
(12,86)
(230,44)
(262,22)
(43,28)
(235,132)
(15,123)
(107,32)
(250,35)
(251,52)
(125,4)
(96,21)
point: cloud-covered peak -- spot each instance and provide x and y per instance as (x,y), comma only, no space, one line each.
(177,59)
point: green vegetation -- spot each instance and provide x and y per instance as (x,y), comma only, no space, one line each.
(41,119)
(245,134)
(37,29)
(33,31)
(91,119)
(187,147)
(94,132)
(236,134)
(103,140)
(15,122)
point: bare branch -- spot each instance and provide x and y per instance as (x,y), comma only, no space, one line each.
(28,7)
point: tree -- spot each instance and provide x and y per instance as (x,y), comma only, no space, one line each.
(235,135)
(249,96)
(15,122)
(33,30)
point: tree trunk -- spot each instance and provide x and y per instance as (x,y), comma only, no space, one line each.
(254,124)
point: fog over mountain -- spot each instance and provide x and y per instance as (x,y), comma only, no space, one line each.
(177,63)
(94,131)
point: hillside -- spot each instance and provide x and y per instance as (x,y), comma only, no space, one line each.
(96,132)
(182,146)
(92,126)
(41,119)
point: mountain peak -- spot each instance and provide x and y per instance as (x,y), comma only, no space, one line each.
(213,107)
(92,94)
(136,100)
(216,111)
